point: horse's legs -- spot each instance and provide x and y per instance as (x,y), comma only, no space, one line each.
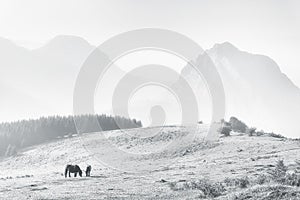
(69,174)
(66,171)
(75,174)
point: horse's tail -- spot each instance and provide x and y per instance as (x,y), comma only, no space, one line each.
(66,170)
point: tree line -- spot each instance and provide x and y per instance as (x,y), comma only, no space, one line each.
(17,135)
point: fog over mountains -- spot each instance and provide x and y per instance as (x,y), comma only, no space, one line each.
(40,82)
(256,90)
(45,76)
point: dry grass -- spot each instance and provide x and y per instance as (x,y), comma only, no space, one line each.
(268,192)
(206,188)
(278,184)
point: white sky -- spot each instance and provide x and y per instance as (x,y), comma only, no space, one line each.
(269,27)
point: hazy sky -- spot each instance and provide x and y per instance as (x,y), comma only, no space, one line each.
(270,27)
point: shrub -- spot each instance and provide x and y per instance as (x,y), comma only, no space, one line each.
(242,182)
(292,179)
(238,182)
(237,125)
(298,166)
(268,192)
(262,179)
(275,135)
(228,181)
(208,189)
(278,174)
(225,130)
(250,131)
(260,133)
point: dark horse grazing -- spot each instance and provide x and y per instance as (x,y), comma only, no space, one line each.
(88,170)
(73,169)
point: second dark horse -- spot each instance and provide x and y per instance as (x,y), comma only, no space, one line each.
(73,169)
(88,170)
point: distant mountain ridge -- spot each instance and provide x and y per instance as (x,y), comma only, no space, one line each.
(255,88)
(46,74)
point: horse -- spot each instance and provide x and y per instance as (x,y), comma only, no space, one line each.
(73,169)
(88,170)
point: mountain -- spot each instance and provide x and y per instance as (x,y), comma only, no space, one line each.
(70,50)
(255,89)
(16,104)
(46,74)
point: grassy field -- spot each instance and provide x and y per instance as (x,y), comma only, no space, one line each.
(235,167)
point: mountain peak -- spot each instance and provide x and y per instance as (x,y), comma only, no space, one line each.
(68,41)
(71,49)
(225,46)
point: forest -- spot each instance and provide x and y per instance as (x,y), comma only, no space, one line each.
(15,136)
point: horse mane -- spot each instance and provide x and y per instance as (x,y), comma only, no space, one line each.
(77,167)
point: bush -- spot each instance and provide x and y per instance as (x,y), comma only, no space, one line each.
(279,172)
(208,189)
(260,133)
(238,182)
(242,182)
(225,131)
(280,175)
(292,179)
(262,179)
(268,192)
(250,131)
(275,135)
(237,125)
(298,166)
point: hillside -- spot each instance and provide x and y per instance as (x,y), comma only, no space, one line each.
(18,135)
(37,172)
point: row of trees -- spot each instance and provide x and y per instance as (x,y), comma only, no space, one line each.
(17,135)
(238,126)
(235,125)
